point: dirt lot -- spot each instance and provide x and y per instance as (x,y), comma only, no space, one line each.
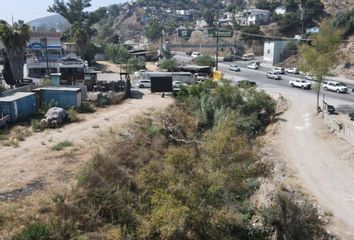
(34,168)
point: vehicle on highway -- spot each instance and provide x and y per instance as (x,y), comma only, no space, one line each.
(310,77)
(300,83)
(178,84)
(246,83)
(335,86)
(273,75)
(231,58)
(351,116)
(234,68)
(279,70)
(248,57)
(196,54)
(293,70)
(253,65)
(144,84)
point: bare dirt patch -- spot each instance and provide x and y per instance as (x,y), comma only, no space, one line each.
(34,158)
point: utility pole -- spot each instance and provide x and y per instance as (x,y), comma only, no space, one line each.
(217,42)
(46,53)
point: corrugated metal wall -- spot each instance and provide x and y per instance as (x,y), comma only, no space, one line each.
(19,108)
(65,99)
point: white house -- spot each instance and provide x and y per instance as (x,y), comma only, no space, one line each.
(201,24)
(226,19)
(252,17)
(280,10)
(273,51)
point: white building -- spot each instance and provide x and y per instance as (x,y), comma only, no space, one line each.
(249,17)
(201,24)
(280,10)
(226,19)
(273,51)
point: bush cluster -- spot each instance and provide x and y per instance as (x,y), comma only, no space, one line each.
(187,174)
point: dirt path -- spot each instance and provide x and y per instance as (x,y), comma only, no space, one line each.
(34,159)
(323,162)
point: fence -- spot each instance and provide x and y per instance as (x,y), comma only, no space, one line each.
(345,131)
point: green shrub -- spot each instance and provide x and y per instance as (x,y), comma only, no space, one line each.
(37,126)
(85,107)
(61,145)
(34,232)
(72,115)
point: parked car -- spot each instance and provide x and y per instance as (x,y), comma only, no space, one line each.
(273,75)
(246,83)
(144,84)
(335,86)
(253,65)
(300,83)
(248,57)
(293,70)
(310,77)
(196,54)
(178,84)
(351,116)
(234,68)
(231,58)
(279,70)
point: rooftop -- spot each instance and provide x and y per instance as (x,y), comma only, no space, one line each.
(68,89)
(16,96)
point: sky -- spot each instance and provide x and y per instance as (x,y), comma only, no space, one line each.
(28,10)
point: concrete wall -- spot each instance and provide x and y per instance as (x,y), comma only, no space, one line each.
(273,51)
(345,131)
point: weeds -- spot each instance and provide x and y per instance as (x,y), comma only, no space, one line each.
(37,126)
(61,145)
(72,115)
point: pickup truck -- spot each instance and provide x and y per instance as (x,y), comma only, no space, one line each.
(300,83)
(273,75)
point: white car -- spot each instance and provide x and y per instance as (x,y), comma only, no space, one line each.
(144,84)
(252,65)
(300,83)
(310,77)
(178,84)
(293,70)
(279,70)
(234,68)
(196,54)
(335,86)
(273,75)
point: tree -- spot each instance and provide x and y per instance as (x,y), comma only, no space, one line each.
(291,6)
(154,30)
(135,64)
(209,16)
(117,53)
(205,60)
(80,20)
(168,64)
(15,38)
(345,20)
(7,74)
(318,57)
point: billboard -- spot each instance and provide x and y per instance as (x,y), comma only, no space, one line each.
(161,84)
(221,33)
(184,33)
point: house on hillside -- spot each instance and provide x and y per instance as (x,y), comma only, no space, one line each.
(313,30)
(273,51)
(226,19)
(201,24)
(249,17)
(280,10)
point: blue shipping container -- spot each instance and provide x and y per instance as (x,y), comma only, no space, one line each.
(60,97)
(17,105)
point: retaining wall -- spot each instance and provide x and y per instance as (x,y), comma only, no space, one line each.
(344,130)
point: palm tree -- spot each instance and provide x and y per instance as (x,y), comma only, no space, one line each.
(15,39)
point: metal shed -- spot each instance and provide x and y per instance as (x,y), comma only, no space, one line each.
(19,104)
(64,97)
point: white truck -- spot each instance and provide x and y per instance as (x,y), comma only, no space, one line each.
(300,83)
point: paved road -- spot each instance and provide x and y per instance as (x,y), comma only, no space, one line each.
(259,77)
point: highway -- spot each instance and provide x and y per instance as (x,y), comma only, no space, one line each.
(282,86)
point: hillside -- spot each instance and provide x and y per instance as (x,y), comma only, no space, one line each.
(55,22)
